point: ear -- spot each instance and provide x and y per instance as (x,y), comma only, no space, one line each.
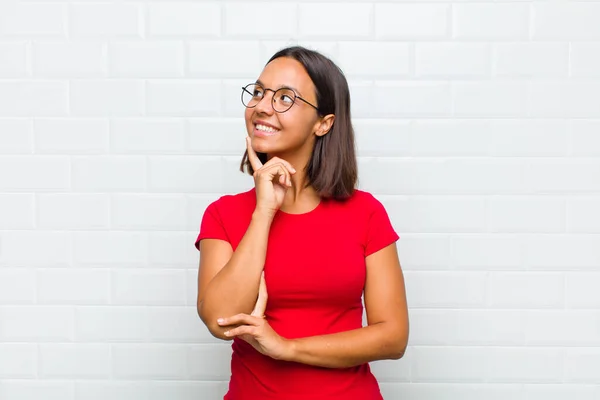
(323,126)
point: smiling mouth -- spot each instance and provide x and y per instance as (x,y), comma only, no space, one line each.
(265,130)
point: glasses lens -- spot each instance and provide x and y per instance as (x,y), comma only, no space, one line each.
(252,94)
(283,99)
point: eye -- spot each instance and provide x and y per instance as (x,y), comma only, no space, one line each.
(257,92)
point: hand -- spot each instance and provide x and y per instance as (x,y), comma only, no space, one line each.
(272,180)
(260,335)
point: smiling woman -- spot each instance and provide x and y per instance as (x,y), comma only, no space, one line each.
(284,266)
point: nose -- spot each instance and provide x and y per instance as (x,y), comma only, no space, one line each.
(265,106)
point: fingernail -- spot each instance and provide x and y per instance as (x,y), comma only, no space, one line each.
(220,321)
(226,333)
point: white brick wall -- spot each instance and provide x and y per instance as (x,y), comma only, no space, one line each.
(478,126)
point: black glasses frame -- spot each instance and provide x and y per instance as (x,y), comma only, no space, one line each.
(245,89)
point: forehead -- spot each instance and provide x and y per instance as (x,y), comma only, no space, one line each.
(285,71)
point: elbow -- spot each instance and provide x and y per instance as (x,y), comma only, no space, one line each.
(398,345)
(211,323)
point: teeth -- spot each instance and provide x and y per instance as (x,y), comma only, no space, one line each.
(265,128)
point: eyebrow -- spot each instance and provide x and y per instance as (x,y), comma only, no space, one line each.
(282,86)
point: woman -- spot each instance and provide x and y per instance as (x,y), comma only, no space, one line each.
(306,236)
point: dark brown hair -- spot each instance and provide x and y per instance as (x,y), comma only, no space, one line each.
(332,169)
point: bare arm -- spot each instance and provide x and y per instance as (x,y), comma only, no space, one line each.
(386,335)
(228,281)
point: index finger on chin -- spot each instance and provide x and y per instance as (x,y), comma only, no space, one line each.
(252,156)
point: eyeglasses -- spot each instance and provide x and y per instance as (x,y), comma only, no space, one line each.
(283,99)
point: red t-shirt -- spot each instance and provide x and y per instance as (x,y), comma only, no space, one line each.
(315,274)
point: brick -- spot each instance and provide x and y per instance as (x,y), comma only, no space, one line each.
(185,174)
(25,19)
(453,60)
(110,248)
(19,360)
(376,137)
(16,136)
(528,137)
(217,136)
(235,181)
(524,214)
(148,136)
(24,389)
(449,138)
(69,59)
(109,173)
(562,252)
(490,99)
(325,20)
(33,98)
(488,252)
(532,365)
(424,251)
(192,287)
(182,325)
(173,249)
(72,286)
(583,214)
(565,21)
(13,59)
(329,48)
(560,391)
(196,204)
(74,360)
(149,390)
(464,327)
(375,59)
(148,59)
(562,175)
(581,290)
(107,98)
(487,21)
(583,138)
(149,361)
(411,21)
(36,324)
(564,99)
(148,212)
(450,391)
(105,20)
(183,19)
(17,211)
(440,214)
(526,290)
(52,249)
(17,286)
(393,370)
(148,287)
(531,60)
(189,98)
(435,364)
(111,324)
(35,173)
(232,106)
(413,99)
(585,60)
(582,365)
(71,136)
(445,289)
(218,369)
(73,211)
(221,59)
(562,328)
(278,20)
(362,99)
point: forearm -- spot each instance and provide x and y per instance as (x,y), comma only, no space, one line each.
(350,348)
(235,288)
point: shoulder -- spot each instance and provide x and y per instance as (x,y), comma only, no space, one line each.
(364,200)
(230,203)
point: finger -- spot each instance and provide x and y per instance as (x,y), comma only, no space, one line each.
(241,330)
(239,319)
(288,166)
(252,156)
(277,173)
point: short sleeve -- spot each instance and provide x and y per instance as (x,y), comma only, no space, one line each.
(380,232)
(211,226)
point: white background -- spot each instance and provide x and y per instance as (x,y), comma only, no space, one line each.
(478,127)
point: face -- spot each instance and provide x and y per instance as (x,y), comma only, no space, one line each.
(293,130)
